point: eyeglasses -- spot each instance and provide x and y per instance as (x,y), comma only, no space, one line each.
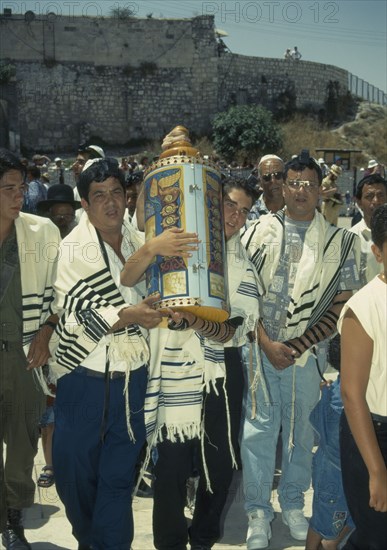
(307,185)
(277,176)
(232,208)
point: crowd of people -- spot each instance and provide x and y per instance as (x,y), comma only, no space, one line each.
(112,383)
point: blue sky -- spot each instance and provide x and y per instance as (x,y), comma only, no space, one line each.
(350,34)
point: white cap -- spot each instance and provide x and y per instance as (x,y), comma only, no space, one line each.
(57,159)
(372,163)
(269,157)
(100,152)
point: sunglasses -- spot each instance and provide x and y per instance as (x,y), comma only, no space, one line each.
(277,176)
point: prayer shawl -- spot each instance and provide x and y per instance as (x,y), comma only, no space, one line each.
(38,242)
(325,250)
(88,301)
(183,363)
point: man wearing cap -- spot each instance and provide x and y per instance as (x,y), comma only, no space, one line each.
(331,197)
(307,270)
(85,152)
(371,192)
(60,207)
(324,167)
(271,179)
(374,168)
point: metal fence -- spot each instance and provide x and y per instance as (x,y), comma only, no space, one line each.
(359,87)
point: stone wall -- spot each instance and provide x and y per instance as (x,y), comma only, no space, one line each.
(263,80)
(122,81)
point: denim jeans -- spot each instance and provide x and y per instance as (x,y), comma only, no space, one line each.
(260,434)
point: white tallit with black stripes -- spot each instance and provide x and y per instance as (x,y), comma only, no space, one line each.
(38,242)
(325,250)
(88,302)
(184,363)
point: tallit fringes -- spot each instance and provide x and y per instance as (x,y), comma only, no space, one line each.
(292,417)
(41,381)
(176,433)
(232,452)
(127,406)
(204,463)
(256,378)
(143,469)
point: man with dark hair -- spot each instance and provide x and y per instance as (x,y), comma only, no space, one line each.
(307,270)
(99,429)
(371,192)
(133,189)
(28,250)
(35,190)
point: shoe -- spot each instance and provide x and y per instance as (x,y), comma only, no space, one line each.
(296,522)
(259,531)
(200,547)
(46,478)
(13,537)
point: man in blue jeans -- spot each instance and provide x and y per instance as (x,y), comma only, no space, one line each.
(307,269)
(99,418)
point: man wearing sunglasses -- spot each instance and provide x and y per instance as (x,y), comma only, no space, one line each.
(307,269)
(271,179)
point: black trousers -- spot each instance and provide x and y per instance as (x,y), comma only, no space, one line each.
(371,526)
(176,462)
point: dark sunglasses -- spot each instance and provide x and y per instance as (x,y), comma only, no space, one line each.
(277,175)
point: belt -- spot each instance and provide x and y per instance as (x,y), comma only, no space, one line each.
(9,345)
(97,374)
(379,418)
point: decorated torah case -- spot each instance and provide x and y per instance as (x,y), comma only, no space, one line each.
(182,189)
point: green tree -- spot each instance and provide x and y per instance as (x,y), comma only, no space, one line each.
(122,12)
(246,131)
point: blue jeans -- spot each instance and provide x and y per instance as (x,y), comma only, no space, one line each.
(260,434)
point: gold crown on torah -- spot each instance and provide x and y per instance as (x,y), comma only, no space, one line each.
(178,142)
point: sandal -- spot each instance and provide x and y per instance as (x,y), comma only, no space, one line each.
(46,478)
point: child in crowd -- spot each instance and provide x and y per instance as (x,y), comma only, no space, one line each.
(331,521)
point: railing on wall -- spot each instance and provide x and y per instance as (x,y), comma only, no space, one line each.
(359,87)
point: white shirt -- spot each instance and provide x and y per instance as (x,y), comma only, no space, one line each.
(370,306)
(369,267)
(97,359)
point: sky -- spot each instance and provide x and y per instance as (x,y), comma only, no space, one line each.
(350,34)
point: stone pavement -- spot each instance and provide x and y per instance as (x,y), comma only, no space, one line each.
(48,529)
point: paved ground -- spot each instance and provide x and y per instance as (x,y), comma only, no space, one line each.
(48,529)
